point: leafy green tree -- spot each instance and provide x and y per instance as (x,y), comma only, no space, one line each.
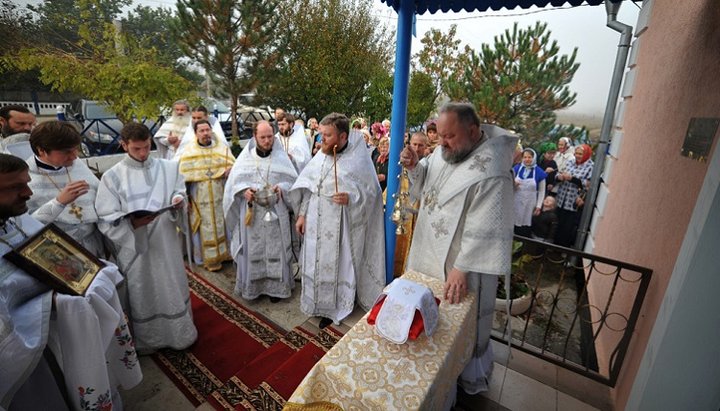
(440,58)
(519,82)
(17,30)
(331,49)
(231,39)
(128,79)
(151,28)
(378,97)
(421,98)
(72,25)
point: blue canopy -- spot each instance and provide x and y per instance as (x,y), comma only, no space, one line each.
(433,6)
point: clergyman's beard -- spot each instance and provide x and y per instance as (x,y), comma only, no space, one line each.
(454,157)
(286,133)
(180,121)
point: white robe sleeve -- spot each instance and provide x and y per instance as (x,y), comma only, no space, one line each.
(48,212)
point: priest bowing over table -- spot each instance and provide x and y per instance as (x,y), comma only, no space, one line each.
(341,218)
(464,228)
(260,233)
(64,188)
(205,164)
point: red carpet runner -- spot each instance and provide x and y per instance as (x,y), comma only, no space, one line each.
(241,360)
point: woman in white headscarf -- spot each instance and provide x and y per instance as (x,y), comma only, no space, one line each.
(529,191)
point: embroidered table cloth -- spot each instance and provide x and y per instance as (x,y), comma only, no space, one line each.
(364,371)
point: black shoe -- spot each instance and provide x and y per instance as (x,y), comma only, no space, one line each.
(324,322)
(275,300)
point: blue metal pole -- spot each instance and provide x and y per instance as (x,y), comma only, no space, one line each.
(397,127)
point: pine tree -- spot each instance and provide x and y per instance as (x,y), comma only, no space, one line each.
(519,82)
(231,39)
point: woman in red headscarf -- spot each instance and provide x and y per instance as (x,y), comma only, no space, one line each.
(572,185)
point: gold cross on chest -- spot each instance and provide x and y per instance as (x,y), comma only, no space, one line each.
(76,210)
(431,200)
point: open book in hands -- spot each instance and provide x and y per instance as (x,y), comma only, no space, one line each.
(147,213)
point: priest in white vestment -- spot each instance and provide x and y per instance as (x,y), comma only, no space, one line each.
(464,228)
(341,218)
(262,249)
(64,188)
(149,251)
(57,352)
(205,165)
(292,138)
(168,137)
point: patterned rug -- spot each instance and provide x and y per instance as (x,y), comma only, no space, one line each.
(241,361)
(229,337)
(268,382)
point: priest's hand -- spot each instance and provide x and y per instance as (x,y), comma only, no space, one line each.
(173,139)
(341,198)
(72,191)
(300,225)
(455,288)
(408,158)
(249,195)
(178,201)
(278,191)
(138,222)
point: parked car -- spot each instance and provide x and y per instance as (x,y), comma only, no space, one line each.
(247,116)
(99,127)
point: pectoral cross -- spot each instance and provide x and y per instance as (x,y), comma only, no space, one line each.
(480,163)
(76,210)
(431,200)
(439,227)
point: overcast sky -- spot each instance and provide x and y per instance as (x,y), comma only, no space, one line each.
(582,27)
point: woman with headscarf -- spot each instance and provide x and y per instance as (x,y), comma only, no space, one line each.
(571,194)
(548,164)
(529,191)
(563,156)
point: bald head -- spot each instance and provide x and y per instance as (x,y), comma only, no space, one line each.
(264,135)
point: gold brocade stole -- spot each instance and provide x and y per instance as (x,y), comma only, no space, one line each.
(403,241)
(200,164)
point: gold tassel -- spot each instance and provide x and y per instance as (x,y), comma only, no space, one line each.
(249,215)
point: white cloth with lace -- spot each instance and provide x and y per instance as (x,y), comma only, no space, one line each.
(88,336)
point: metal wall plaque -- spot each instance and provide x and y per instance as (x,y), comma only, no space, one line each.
(699,138)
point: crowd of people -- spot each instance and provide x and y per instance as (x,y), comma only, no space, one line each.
(550,194)
(310,198)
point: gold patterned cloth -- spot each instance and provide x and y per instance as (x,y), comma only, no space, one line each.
(364,371)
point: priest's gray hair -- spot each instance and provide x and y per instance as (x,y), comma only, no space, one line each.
(182,103)
(11,164)
(465,112)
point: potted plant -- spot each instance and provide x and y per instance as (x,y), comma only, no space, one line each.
(520,292)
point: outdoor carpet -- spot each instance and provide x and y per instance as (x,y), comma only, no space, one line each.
(229,337)
(241,360)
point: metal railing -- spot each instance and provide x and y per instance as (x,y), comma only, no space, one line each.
(582,308)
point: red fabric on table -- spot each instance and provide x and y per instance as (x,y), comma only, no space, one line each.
(417,327)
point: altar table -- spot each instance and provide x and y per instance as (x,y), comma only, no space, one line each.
(364,371)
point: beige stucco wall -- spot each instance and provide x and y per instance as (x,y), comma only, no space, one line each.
(652,188)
